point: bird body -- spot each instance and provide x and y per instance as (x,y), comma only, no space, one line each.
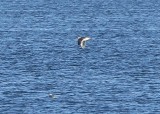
(82,41)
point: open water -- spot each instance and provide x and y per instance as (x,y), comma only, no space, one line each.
(44,71)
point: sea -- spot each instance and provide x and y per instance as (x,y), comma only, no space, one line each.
(43,70)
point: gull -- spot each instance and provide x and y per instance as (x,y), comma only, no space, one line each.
(82,41)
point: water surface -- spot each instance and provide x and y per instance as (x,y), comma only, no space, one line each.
(117,73)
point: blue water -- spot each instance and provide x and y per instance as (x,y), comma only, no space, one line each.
(117,73)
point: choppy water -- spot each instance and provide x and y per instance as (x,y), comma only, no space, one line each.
(117,73)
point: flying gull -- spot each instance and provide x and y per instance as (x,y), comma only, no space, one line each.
(82,41)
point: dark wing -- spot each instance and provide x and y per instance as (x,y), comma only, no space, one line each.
(80,40)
